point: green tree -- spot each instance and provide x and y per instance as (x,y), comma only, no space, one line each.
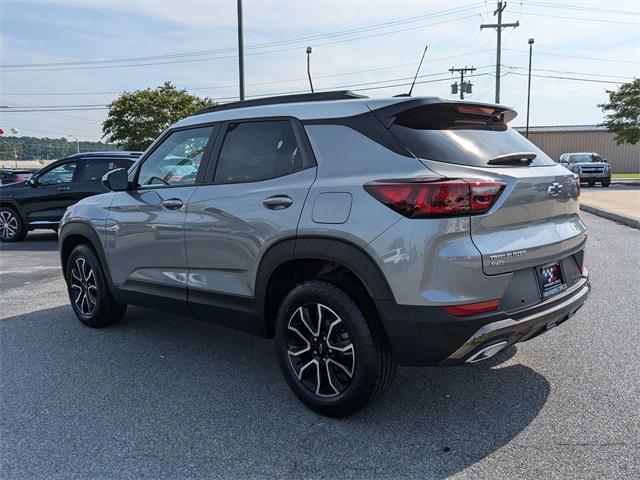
(623,112)
(136,119)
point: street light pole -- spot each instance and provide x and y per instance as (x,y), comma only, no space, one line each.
(77,142)
(531,40)
(240,51)
(309,67)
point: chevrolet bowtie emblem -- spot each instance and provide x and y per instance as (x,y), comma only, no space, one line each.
(554,189)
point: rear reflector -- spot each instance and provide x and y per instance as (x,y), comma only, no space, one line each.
(440,198)
(472,308)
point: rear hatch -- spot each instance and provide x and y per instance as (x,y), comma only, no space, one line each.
(535,219)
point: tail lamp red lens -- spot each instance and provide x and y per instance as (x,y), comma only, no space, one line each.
(577,185)
(440,198)
(472,308)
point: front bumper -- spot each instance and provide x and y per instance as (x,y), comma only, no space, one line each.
(427,336)
(594,176)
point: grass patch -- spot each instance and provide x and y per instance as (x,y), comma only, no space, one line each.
(625,175)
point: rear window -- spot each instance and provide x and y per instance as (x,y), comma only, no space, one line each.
(440,132)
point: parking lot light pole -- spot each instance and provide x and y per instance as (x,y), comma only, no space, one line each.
(77,142)
(531,40)
(240,51)
(309,67)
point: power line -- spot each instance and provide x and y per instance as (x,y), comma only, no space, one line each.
(575,56)
(588,74)
(594,80)
(579,8)
(261,45)
(598,20)
(26,68)
(436,59)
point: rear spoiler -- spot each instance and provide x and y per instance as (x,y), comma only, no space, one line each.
(387,115)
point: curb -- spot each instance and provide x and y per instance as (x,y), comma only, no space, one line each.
(629,222)
(624,181)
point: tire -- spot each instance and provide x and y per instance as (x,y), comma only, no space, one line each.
(606,183)
(339,375)
(12,228)
(89,293)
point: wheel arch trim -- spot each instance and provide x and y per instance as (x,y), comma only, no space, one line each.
(331,249)
(10,202)
(78,228)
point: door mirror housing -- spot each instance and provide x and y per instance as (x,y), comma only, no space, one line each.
(33,182)
(116,180)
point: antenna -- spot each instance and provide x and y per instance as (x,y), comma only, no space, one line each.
(417,71)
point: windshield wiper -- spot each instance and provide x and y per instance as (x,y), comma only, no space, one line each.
(517,158)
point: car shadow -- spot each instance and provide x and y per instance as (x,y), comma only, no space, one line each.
(33,242)
(159,395)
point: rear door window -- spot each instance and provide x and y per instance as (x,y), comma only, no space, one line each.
(255,151)
(442,133)
(94,169)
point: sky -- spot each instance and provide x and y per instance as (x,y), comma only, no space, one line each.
(79,55)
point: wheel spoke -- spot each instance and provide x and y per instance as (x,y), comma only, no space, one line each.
(347,371)
(306,320)
(331,380)
(307,348)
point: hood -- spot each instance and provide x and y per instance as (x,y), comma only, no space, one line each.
(11,187)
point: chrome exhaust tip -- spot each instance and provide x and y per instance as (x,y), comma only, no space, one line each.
(486,352)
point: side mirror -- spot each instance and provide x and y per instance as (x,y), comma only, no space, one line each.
(116,180)
(32,182)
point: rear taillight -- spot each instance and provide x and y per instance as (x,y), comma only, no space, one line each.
(577,179)
(440,198)
(472,308)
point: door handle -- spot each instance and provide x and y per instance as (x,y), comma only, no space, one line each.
(277,202)
(172,204)
(64,189)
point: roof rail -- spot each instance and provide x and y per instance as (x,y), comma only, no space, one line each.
(303,97)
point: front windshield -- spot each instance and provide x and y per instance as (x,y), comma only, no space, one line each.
(585,157)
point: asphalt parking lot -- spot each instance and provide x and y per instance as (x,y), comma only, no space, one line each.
(161,396)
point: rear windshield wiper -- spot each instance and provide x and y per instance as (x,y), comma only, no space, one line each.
(517,158)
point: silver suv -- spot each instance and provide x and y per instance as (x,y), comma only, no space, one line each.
(359,233)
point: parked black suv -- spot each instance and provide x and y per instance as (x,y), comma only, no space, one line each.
(41,201)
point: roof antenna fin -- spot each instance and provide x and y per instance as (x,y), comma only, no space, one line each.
(416,76)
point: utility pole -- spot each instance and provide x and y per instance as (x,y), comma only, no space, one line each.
(499,27)
(240,51)
(464,87)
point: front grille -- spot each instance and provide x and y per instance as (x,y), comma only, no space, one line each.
(592,169)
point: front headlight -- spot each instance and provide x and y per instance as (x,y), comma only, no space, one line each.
(575,168)
(607,168)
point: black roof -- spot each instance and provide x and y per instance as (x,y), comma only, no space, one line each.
(302,97)
(110,153)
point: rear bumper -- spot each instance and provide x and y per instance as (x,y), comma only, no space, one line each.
(427,336)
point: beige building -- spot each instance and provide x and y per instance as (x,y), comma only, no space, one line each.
(586,138)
